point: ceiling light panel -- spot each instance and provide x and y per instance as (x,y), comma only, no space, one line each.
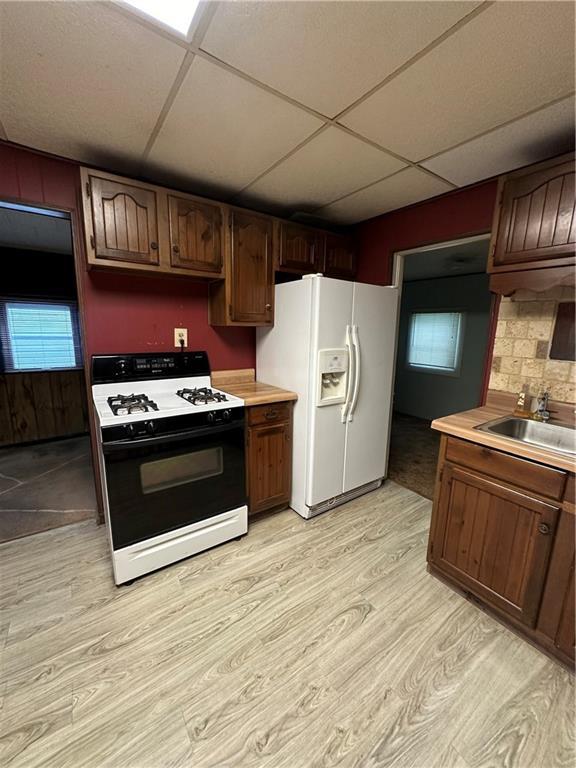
(404,188)
(80,80)
(536,137)
(326,54)
(225,131)
(329,166)
(508,60)
(174,14)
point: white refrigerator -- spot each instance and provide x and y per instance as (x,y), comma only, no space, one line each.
(333,343)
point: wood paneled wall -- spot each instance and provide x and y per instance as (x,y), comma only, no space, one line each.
(40,405)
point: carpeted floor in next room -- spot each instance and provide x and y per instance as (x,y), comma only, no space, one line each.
(45,486)
(413,454)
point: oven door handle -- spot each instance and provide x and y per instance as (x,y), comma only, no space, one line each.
(122,445)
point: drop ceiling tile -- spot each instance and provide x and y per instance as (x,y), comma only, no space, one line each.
(404,188)
(326,54)
(511,58)
(224,130)
(329,166)
(81,80)
(536,137)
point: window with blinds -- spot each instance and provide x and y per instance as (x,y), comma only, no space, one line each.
(434,341)
(39,335)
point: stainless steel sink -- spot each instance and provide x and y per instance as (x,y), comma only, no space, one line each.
(553,437)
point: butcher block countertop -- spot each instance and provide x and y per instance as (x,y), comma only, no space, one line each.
(243,384)
(463,425)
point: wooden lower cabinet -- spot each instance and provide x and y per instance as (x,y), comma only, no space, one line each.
(508,547)
(269,456)
(557,620)
(494,541)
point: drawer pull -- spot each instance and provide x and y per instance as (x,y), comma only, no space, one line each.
(271,414)
(544,529)
(154,246)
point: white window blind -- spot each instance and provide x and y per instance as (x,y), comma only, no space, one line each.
(434,340)
(39,335)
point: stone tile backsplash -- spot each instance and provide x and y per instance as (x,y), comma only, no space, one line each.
(523,337)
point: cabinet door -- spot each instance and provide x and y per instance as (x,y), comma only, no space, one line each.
(252,284)
(340,259)
(125,221)
(195,235)
(300,248)
(269,466)
(493,541)
(537,221)
(556,619)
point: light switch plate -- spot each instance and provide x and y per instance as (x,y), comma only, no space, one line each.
(179,334)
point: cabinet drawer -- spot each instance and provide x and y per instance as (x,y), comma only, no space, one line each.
(522,473)
(268,414)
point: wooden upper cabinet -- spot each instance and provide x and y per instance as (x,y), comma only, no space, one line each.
(495,542)
(195,234)
(124,220)
(251,299)
(535,222)
(340,256)
(301,249)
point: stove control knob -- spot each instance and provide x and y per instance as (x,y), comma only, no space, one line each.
(211,417)
(150,427)
(130,431)
(226,415)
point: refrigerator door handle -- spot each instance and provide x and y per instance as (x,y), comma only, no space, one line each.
(351,368)
(356,348)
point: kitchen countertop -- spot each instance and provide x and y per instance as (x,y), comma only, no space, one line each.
(258,393)
(463,425)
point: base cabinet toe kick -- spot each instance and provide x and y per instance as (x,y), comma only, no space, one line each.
(502,530)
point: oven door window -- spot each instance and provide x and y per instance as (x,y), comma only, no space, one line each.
(157,487)
(161,474)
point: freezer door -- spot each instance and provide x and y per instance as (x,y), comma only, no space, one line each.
(374,319)
(331,314)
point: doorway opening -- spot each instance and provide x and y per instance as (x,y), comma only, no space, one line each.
(46,475)
(443,334)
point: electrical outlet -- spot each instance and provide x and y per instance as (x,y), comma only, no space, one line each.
(180,335)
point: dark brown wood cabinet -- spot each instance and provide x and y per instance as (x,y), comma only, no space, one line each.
(195,234)
(124,220)
(134,226)
(301,249)
(557,620)
(340,257)
(535,222)
(494,541)
(502,530)
(246,296)
(269,456)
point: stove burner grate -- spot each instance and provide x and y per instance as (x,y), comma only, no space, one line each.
(124,405)
(201,396)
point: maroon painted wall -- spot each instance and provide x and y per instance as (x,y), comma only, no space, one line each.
(124,313)
(458,214)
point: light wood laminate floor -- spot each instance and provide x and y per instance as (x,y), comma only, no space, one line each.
(308,644)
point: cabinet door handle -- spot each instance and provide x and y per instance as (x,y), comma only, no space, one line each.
(544,529)
(268,307)
(176,248)
(154,246)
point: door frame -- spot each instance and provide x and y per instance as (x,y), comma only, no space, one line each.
(398,282)
(79,256)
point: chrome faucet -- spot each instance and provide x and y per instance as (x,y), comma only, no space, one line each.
(542,413)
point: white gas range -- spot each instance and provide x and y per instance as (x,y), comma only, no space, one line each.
(171,459)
